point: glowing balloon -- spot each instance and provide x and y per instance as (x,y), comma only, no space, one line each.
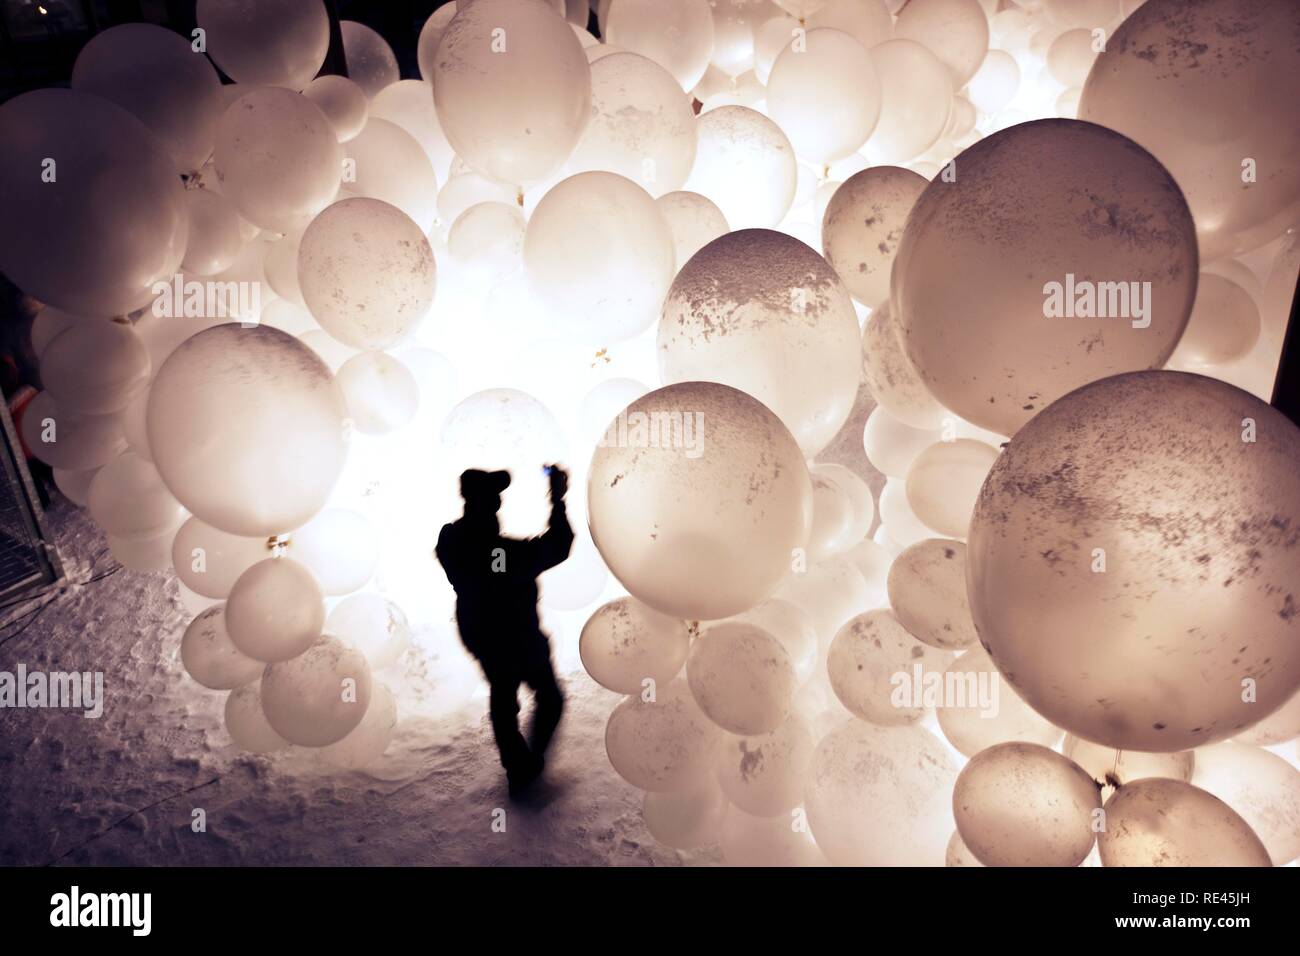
(927,591)
(956,31)
(1115,768)
(1159,822)
(155,75)
(664,744)
(343,103)
(694,222)
(371,62)
(246,428)
(95,368)
(944,481)
(247,724)
(793,627)
(210,561)
(891,446)
(100,204)
(661,513)
(762,312)
(407,104)
(390,164)
(380,392)
(830,592)
(992,87)
(866,660)
(1019,804)
(1224,325)
(1281,725)
(764,775)
(339,547)
(862,505)
(892,379)
(128,499)
(430,35)
(599,254)
(678,35)
(832,517)
(275,610)
(767,841)
(745,164)
(863,224)
(1188,607)
(880,796)
(318,697)
(824,93)
(1262,787)
(742,678)
(373,625)
(488,238)
(211,658)
(915,101)
(685,819)
(867,21)
(1070,57)
(980,708)
(641,125)
(278,157)
(266,42)
(367,742)
(1174,78)
(898,518)
(215,238)
(993,317)
(512,88)
(625,643)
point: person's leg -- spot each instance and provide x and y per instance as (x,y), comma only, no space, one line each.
(503,708)
(549,699)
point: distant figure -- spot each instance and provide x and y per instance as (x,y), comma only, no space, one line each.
(496,608)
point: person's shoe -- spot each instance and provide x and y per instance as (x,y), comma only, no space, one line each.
(520,779)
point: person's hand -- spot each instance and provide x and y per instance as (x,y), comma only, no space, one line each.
(559,482)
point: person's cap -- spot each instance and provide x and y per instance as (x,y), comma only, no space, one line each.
(475,482)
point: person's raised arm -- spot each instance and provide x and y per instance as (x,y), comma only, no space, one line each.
(553,545)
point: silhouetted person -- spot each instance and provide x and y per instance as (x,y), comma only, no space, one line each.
(495,578)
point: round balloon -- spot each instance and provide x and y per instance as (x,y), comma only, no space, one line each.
(1161,822)
(745,164)
(318,697)
(266,42)
(624,643)
(862,227)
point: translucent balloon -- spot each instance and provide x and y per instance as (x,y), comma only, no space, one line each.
(863,506)
(767,841)
(95,368)
(1114,768)
(366,743)
(155,75)
(915,100)
(390,164)
(318,697)
(328,349)
(872,663)
(371,63)
(993,86)
(408,104)
(275,610)
(733,35)
(1082,13)
(1174,79)
(742,678)
(1159,822)
(624,642)
(343,103)
(266,42)
(278,157)
(99,199)
(863,224)
(1123,469)
(215,238)
(944,482)
(685,819)
(577,582)
(246,428)
(211,658)
(641,125)
(830,592)
(373,625)
(665,744)
(502,428)
(210,561)
(67,440)
(380,392)
(790,625)
(867,21)
(488,238)
(678,36)
(693,220)
(897,516)
(891,446)
(599,254)
(832,517)
(745,164)
(892,379)
(873,563)
(1260,786)
(662,516)
(1224,325)
(824,93)
(762,312)
(956,31)
(1019,804)
(927,591)
(993,318)
(980,708)
(764,775)
(464,191)
(512,88)
(1070,57)
(128,499)
(902,774)
(430,35)
(339,547)
(75,485)
(247,724)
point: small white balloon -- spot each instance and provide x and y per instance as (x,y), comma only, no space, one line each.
(211,658)
(275,610)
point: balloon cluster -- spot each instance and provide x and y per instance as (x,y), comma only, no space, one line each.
(1034,253)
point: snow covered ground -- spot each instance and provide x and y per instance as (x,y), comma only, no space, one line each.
(124,788)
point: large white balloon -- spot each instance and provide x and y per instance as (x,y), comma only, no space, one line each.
(745,164)
(318,697)
(676,35)
(266,42)
(863,224)
(662,742)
